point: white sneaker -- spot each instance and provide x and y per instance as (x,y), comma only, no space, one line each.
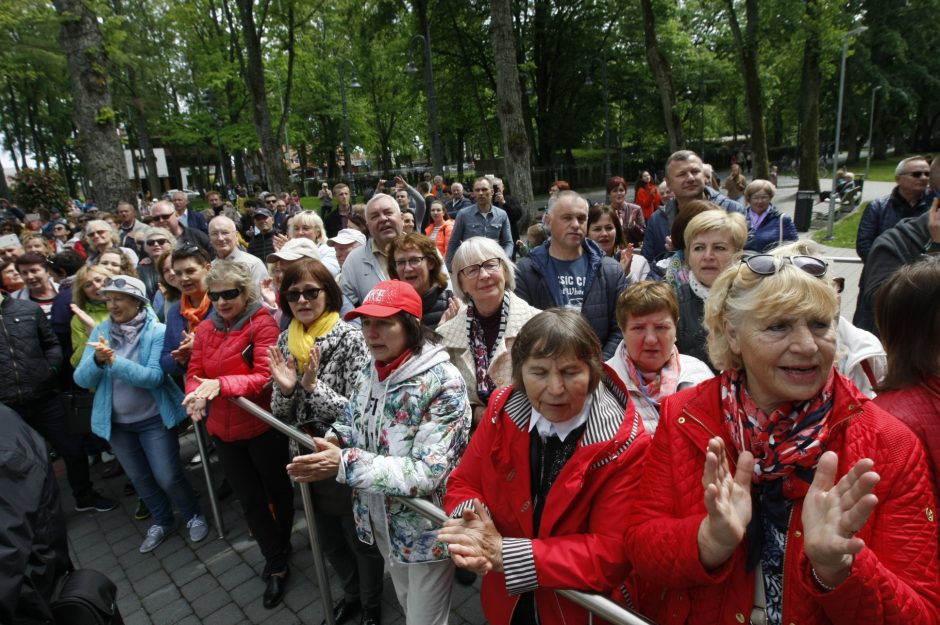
(155,536)
(198,528)
(196,460)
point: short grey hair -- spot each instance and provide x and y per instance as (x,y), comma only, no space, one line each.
(682,155)
(163,232)
(99,222)
(899,170)
(567,196)
(476,250)
(236,273)
(376,198)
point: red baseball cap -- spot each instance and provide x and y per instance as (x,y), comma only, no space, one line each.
(388,298)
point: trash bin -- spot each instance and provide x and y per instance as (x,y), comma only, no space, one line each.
(803,214)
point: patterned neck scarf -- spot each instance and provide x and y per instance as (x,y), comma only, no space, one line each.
(657,385)
(478,350)
(786,445)
(126,333)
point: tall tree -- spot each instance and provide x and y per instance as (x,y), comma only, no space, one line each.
(811,79)
(748,44)
(509,107)
(99,145)
(253,73)
(662,74)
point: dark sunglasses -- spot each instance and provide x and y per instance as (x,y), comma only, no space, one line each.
(918,174)
(161,217)
(227,295)
(768,264)
(308,294)
(118,282)
(157,241)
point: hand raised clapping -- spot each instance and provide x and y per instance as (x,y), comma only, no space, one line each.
(473,541)
(833,513)
(728,502)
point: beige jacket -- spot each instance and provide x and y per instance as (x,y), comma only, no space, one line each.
(457,343)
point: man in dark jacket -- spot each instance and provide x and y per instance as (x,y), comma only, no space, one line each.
(906,242)
(35,551)
(262,244)
(907,199)
(686,178)
(571,271)
(32,358)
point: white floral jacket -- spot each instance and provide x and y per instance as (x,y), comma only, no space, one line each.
(403,437)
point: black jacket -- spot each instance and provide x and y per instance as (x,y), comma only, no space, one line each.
(883,214)
(31,354)
(35,548)
(898,246)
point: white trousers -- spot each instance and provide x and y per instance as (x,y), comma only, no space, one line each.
(423,588)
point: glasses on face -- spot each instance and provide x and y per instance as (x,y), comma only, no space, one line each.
(308,294)
(409,262)
(152,242)
(472,271)
(163,217)
(227,295)
(98,232)
(270,201)
(918,174)
(768,264)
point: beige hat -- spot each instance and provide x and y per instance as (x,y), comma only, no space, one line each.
(295,249)
(347,236)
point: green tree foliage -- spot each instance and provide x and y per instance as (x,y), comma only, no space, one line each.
(35,189)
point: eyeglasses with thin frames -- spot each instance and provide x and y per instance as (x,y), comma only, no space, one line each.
(472,271)
(409,262)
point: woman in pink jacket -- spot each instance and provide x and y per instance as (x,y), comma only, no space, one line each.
(230,359)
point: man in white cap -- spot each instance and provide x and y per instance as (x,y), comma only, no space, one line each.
(345,241)
(223,237)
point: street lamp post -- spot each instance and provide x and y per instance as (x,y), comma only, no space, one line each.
(835,156)
(354,83)
(871,128)
(437,159)
(588,81)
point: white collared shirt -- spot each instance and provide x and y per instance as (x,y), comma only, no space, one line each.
(548,428)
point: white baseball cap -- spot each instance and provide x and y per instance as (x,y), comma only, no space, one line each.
(347,236)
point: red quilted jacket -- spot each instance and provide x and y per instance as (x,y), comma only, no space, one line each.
(221,355)
(580,540)
(918,407)
(894,578)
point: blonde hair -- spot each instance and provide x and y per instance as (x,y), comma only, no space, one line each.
(236,273)
(708,221)
(739,296)
(306,218)
(82,277)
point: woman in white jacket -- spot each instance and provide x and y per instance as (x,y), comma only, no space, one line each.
(647,359)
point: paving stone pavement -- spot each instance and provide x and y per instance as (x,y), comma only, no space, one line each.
(217,581)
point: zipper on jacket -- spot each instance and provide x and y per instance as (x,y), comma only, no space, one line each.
(16,370)
(783,576)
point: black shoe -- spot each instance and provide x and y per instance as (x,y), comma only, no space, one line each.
(94,501)
(274,591)
(372,616)
(129,489)
(224,490)
(142,513)
(343,611)
(114,469)
(464,577)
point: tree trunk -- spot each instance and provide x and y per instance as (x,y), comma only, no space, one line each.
(747,44)
(274,165)
(509,107)
(98,143)
(458,153)
(662,74)
(810,81)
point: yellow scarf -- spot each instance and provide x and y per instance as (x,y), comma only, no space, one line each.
(300,341)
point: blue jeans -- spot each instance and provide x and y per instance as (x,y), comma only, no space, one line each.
(150,455)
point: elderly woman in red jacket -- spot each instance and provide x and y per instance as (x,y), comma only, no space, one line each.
(230,359)
(776,492)
(539,495)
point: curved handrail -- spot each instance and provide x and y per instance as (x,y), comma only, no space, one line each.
(596,604)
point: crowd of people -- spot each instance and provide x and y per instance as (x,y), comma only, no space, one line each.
(657,401)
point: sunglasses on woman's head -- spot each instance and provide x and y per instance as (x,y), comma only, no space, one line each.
(118,282)
(227,295)
(768,264)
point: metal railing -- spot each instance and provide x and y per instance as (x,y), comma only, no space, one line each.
(596,604)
